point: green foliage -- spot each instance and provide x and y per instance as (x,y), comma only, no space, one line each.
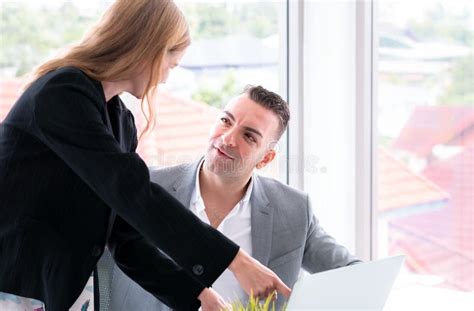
(211,20)
(461,88)
(30,36)
(254,304)
(216,95)
(440,23)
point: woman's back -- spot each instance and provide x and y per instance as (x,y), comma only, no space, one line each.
(53,224)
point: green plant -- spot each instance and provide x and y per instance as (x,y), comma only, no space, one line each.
(254,304)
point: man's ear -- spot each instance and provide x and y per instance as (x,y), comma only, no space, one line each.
(269,156)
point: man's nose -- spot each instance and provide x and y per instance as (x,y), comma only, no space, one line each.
(228,138)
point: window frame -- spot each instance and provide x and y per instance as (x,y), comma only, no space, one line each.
(366,130)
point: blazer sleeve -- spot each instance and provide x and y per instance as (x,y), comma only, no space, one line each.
(67,118)
(153,270)
(322,252)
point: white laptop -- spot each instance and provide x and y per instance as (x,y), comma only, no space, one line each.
(359,287)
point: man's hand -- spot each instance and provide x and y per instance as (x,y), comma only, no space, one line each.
(212,301)
(255,278)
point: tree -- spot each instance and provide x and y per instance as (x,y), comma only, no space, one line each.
(210,20)
(28,37)
(442,24)
(461,88)
(218,96)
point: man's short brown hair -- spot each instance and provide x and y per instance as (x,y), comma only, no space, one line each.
(271,101)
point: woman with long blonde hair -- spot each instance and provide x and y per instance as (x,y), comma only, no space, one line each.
(71,181)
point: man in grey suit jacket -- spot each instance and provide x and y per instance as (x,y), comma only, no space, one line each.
(272,220)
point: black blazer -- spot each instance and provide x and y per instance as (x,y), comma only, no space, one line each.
(67,167)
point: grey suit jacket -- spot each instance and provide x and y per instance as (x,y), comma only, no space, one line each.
(286,236)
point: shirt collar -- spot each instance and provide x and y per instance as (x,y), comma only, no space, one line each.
(197,190)
(196,198)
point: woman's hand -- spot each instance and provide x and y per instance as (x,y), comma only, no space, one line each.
(212,301)
(255,278)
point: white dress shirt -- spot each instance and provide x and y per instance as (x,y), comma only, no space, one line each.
(237,227)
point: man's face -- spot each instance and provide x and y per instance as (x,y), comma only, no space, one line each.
(242,138)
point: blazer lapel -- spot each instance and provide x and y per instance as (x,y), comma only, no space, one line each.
(182,188)
(262,223)
(261,213)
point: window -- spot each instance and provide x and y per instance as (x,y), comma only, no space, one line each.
(425,146)
(388,138)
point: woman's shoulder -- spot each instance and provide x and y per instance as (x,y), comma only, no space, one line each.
(67,79)
(68,74)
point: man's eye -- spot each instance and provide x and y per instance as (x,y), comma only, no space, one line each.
(251,138)
(224,120)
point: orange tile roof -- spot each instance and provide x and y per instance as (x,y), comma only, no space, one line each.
(10,90)
(400,187)
(181,131)
(442,242)
(432,125)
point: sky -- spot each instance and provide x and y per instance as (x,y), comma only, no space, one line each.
(396,12)
(400,11)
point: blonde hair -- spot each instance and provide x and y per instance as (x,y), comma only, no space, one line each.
(131,34)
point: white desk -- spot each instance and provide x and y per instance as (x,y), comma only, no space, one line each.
(409,295)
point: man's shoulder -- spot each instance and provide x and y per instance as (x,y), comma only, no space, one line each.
(166,176)
(280,191)
(165,171)
(290,206)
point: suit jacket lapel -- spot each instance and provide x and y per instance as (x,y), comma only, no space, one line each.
(261,213)
(262,223)
(183,188)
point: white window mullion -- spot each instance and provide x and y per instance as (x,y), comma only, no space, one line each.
(365,135)
(295,150)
